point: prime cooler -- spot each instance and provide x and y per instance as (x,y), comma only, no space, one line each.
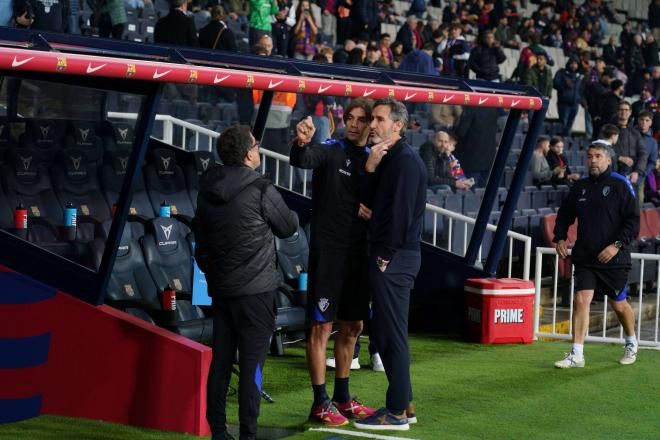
(500,311)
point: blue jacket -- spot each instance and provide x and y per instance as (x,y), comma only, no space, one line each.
(418,61)
(651,146)
(569,86)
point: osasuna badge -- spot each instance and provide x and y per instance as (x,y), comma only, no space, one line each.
(323,304)
(606,191)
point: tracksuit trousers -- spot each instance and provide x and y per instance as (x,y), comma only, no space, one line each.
(391,302)
(245,323)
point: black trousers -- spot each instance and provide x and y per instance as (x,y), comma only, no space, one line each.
(245,323)
(391,303)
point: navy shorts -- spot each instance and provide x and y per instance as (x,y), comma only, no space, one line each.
(609,282)
(338,285)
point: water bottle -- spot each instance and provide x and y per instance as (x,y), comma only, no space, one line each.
(169,299)
(20,217)
(70,215)
(165,210)
(302,282)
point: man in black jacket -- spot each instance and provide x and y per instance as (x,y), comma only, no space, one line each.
(176,27)
(435,155)
(216,34)
(238,211)
(338,286)
(608,223)
(484,59)
(395,189)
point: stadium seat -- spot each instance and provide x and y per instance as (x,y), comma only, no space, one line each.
(166,183)
(118,136)
(192,171)
(547,228)
(6,140)
(83,135)
(454,203)
(45,137)
(293,256)
(168,257)
(471,202)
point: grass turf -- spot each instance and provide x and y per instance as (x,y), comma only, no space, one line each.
(462,391)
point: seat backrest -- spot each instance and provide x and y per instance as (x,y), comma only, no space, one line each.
(653,221)
(166,183)
(113,173)
(118,136)
(293,254)
(201,161)
(548,227)
(83,135)
(644,228)
(45,136)
(167,254)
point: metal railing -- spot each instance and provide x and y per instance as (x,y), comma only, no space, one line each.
(296,180)
(558,322)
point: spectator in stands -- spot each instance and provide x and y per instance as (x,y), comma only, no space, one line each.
(216,34)
(608,223)
(281,33)
(647,102)
(341,55)
(539,75)
(417,8)
(557,159)
(484,58)
(445,117)
(455,53)
(357,55)
(176,27)
(635,66)
(239,10)
(364,18)
(609,103)
(631,154)
(338,286)
(261,18)
(506,34)
(612,54)
(420,61)
(344,19)
(304,32)
(568,83)
(238,214)
(644,123)
(112,19)
(409,36)
(476,133)
(610,134)
(22,14)
(651,51)
(374,57)
(539,167)
(329,21)
(591,95)
(385,51)
(653,185)
(436,157)
(48,15)
(396,193)
(397,54)
(654,18)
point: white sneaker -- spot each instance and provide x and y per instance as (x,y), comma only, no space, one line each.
(629,355)
(570,361)
(355,363)
(376,363)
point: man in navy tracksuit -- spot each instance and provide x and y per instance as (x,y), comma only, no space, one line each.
(395,189)
(608,223)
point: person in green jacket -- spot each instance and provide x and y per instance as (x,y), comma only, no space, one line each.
(113,18)
(539,75)
(261,12)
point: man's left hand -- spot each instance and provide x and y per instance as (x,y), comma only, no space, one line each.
(634,177)
(364,213)
(608,253)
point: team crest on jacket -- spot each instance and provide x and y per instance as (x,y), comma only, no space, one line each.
(348,163)
(606,191)
(324,303)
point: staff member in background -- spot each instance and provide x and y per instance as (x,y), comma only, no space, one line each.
(338,282)
(396,191)
(216,34)
(238,212)
(608,223)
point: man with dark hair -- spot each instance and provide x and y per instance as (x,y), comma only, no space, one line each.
(539,167)
(631,153)
(238,212)
(644,123)
(395,189)
(568,82)
(338,287)
(484,58)
(539,75)
(176,27)
(608,223)
(437,158)
(216,34)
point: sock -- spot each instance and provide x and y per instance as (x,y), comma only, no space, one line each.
(320,394)
(631,340)
(341,394)
(578,350)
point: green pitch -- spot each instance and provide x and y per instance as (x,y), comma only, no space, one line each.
(462,391)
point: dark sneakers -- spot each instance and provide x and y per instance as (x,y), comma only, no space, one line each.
(384,420)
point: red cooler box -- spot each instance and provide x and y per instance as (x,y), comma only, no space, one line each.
(500,311)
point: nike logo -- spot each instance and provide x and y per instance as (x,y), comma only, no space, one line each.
(17,63)
(91,69)
(515,102)
(323,89)
(217,80)
(367,93)
(447,98)
(271,84)
(409,96)
(482,100)
(160,75)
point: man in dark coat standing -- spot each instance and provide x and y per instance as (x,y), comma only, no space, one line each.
(216,34)
(176,27)
(476,147)
(238,213)
(484,59)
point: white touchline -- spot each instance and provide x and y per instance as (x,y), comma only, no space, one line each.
(359,434)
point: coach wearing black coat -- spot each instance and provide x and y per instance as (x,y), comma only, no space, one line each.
(238,212)
(176,27)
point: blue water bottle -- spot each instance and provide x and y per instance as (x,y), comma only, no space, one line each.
(165,210)
(70,215)
(302,282)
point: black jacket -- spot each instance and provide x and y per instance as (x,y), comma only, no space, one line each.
(607,211)
(238,211)
(484,62)
(176,28)
(396,193)
(336,195)
(477,131)
(437,166)
(209,33)
(630,144)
